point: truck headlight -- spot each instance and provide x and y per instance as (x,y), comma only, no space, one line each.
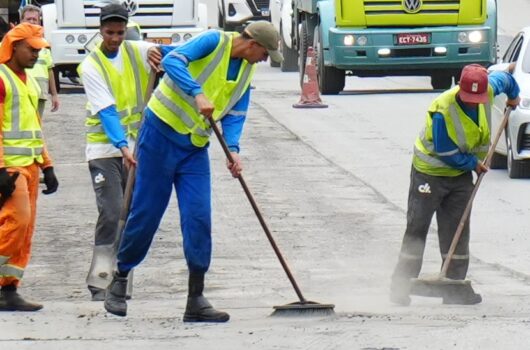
(475,36)
(69,38)
(82,39)
(349,40)
(462,37)
(362,40)
(187,36)
(175,38)
(525,103)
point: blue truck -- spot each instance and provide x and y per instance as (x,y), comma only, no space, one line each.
(374,38)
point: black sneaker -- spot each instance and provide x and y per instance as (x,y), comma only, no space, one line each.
(115,302)
(198,309)
(12,301)
(461,295)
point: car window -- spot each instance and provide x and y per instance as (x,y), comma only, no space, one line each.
(513,46)
(517,51)
(526,60)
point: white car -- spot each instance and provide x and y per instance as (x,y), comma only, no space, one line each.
(281,18)
(234,14)
(513,150)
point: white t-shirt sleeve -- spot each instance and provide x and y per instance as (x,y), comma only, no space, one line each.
(96,89)
(144,46)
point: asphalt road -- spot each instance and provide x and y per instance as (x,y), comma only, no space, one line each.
(332,185)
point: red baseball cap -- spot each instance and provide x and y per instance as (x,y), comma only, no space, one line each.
(474,84)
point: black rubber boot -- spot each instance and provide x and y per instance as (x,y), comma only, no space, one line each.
(461,295)
(10,300)
(115,302)
(198,309)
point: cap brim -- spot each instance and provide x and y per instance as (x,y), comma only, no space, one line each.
(275,55)
(473,98)
(104,18)
(37,43)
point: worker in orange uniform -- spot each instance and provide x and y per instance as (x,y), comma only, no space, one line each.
(22,154)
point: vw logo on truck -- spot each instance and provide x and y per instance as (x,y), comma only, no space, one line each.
(131,6)
(412,6)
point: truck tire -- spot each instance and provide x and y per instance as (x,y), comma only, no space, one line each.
(56,76)
(441,81)
(290,57)
(331,80)
(305,40)
(498,161)
(517,169)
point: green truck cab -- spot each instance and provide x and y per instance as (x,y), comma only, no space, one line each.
(373,38)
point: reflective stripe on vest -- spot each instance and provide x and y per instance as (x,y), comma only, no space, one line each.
(425,158)
(11,271)
(3,259)
(21,147)
(179,110)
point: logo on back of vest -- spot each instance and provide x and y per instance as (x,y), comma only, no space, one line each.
(425,188)
(99,178)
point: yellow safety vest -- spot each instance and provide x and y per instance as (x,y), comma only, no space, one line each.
(40,71)
(21,128)
(468,136)
(128,88)
(133,31)
(179,110)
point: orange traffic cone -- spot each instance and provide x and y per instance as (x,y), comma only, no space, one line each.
(310,97)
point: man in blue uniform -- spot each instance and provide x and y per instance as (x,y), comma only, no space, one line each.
(208,76)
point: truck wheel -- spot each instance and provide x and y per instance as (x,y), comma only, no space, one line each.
(290,57)
(498,161)
(517,169)
(56,75)
(331,80)
(305,41)
(441,81)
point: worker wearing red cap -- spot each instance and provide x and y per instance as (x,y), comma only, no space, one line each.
(22,154)
(453,144)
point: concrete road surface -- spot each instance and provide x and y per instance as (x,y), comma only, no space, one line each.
(332,185)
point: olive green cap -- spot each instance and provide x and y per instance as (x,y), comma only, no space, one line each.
(267,36)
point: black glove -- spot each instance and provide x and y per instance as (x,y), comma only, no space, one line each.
(7,183)
(50,180)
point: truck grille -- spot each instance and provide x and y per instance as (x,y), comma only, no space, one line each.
(259,5)
(411,13)
(150,14)
(397,7)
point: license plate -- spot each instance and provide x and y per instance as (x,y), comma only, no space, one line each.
(413,39)
(160,41)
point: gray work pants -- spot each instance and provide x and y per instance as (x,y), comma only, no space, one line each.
(42,104)
(109,177)
(447,197)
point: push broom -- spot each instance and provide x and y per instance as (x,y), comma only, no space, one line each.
(303,306)
(439,286)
